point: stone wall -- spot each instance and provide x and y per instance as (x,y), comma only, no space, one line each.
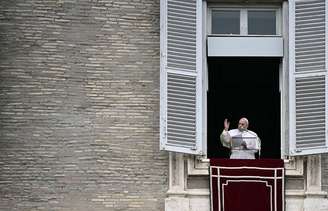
(324,172)
(79,106)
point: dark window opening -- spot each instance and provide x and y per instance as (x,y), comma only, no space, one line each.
(244,87)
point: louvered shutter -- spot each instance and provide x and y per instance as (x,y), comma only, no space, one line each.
(308,76)
(181,76)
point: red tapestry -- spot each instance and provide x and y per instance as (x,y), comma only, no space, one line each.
(247,185)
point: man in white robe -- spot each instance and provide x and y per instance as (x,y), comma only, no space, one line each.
(242,142)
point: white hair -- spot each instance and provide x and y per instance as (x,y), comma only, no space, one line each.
(246,121)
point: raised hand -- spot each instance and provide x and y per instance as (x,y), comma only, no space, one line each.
(226,124)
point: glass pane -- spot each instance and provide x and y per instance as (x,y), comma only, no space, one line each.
(262,22)
(225,22)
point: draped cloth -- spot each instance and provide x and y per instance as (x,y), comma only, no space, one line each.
(247,185)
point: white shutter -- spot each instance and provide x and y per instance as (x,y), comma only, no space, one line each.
(308,76)
(181,76)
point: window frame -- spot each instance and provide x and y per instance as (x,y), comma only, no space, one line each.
(244,18)
(282,25)
(287,32)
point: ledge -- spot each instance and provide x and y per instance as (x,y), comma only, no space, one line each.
(188,192)
(198,166)
(316,194)
(198,192)
(245,46)
(295,193)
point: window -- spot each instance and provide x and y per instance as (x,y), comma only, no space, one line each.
(244,21)
(184,63)
(237,87)
(226,22)
(261,22)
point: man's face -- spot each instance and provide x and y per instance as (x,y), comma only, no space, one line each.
(242,125)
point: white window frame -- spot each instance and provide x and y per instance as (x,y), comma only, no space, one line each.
(285,32)
(282,31)
(244,18)
(198,165)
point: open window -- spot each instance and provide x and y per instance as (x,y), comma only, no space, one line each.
(300,109)
(244,87)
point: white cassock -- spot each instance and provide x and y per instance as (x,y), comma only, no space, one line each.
(233,138)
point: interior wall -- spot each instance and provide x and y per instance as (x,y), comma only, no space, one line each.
(244,87)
